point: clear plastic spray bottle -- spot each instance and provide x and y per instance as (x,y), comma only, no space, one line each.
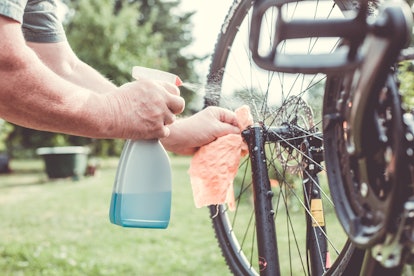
(141,196)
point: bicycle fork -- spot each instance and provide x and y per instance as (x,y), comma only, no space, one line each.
(256,137)
(262,193)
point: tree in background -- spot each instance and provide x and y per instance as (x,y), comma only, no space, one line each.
(176,31)
(406,77)
(5,130)
(113,37)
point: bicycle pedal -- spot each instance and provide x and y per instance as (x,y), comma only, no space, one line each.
(278,58)
(351,32)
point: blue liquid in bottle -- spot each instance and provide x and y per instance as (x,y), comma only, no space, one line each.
(131,214)
(142,190)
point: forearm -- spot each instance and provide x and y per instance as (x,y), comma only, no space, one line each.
(87,77)
(60,58)
(32,95)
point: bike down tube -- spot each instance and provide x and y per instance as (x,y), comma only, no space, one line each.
(262,192)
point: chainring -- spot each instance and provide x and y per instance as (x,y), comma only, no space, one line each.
(365,187)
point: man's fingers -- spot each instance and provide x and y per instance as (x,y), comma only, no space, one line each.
(175,103)
(171,88)
(169,119)
(229,117)
(166,132)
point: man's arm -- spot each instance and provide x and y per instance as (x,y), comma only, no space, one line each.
(61,59)
(32,95)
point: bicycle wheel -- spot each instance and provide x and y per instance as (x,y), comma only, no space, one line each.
(278,99)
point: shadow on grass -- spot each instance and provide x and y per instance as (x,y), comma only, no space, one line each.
(14,185)
(28,172)
(31,177)
(23,176)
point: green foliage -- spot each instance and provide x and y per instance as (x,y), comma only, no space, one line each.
(5,130)
(176,32)
(22,142)
(406,77)
(112,43)
(315,101)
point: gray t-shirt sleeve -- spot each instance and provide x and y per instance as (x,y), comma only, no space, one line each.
(41,23)
(39,19)
(13,9)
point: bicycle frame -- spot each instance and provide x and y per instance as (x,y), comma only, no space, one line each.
(369,49)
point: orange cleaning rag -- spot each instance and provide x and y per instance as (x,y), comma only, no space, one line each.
(214,166)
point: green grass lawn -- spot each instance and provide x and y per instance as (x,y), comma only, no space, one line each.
(62,228)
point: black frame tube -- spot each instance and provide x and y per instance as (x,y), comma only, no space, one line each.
(262,192)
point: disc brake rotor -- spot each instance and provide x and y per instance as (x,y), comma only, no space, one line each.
(297,114)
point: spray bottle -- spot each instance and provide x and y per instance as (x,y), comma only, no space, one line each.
(141,196)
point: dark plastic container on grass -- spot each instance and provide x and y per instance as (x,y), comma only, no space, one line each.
(63,162)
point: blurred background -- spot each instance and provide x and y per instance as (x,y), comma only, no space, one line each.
(60,226)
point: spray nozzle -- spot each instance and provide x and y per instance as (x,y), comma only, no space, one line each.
(154,74)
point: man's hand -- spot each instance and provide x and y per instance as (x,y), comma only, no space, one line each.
(143,109)
(188,134)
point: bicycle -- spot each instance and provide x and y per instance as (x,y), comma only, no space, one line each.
(299,143)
